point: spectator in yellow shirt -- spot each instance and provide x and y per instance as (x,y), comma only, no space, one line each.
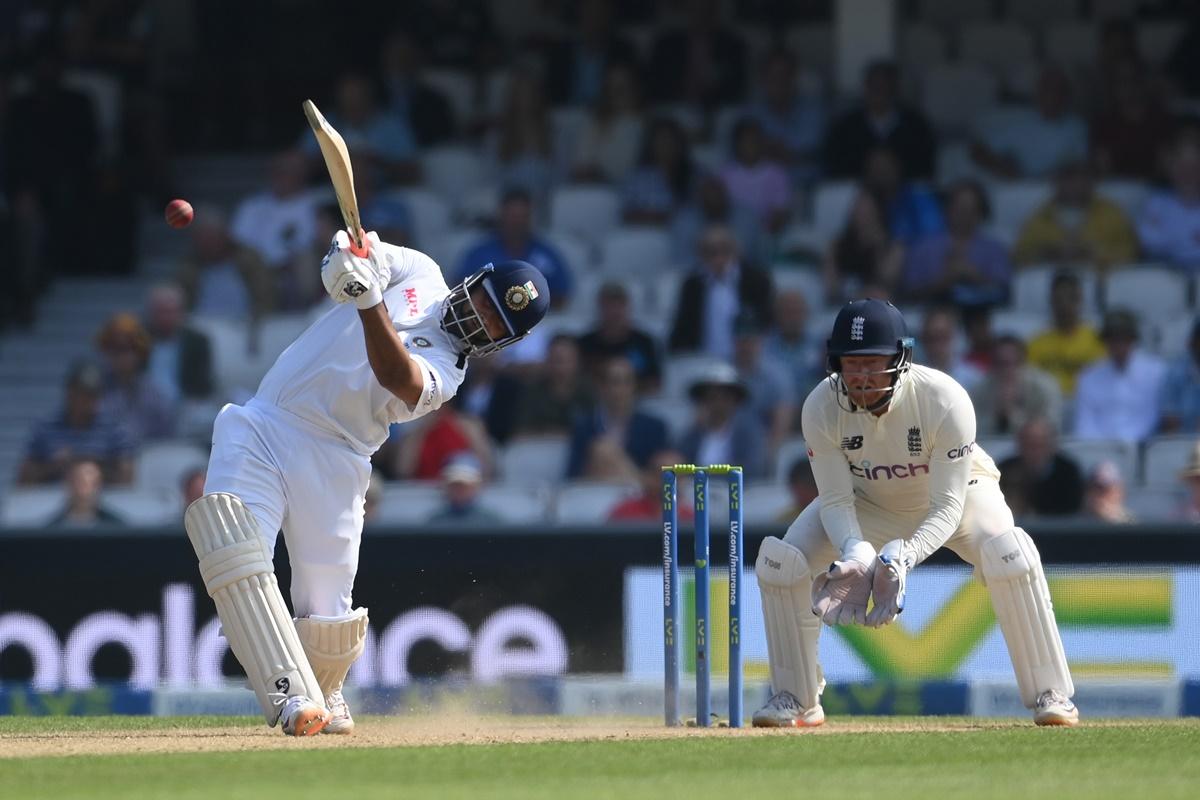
(1077,225)
(1069,344)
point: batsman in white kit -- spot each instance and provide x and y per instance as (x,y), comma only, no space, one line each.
(297,457)
(892,446)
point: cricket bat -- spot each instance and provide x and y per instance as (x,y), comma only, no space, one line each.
(337,161)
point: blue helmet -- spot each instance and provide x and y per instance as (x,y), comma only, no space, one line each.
(868,328)
(518,293)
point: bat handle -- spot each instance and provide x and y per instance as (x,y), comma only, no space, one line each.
(358,244)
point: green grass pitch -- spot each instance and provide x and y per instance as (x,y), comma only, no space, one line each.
(851,758)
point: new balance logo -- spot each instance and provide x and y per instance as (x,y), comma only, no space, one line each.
(852,442)
(856,328)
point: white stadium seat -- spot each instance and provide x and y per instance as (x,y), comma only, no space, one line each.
(1129,195)
(921,47)
(1167,336)
(994,45)
(807,281)
(1148,290)
(1023,324)
(452,171)
(536,460)
(831,206)
(676,412)
(408,502)
(1031,289)
(998,447)
(160,466)
(765,504)
(1165,456)
(1013,203)
(1087,453)
(515,503)
(430,214)
(634,251)
(954,95)
(789,452)
(1154,503)
(587,503)
(30,506)
(680,371)
(589,212)
(142,508)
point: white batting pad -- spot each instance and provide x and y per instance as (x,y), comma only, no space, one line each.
(240,578)
(1012,569)
(333,644)
(785,583)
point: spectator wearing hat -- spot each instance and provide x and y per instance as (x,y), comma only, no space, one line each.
(79,431)
(462,481)
(84,507)
(1104,495)
(1014,392)
(615,335)
(1118,397)
(1070,344)
(131,396)
(1189,476)
(615,440)
(772,397)
(724,429)
(963,265)
(711,297)
(1077,225)
(1180,410)
(1040,479)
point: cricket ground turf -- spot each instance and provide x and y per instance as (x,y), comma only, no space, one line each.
(224,758)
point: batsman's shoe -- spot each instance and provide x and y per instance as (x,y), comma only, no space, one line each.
(340,720)
(1055,708)
(783,710)
(303,717)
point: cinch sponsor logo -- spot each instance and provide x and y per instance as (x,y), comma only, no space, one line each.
(886,472)
(959,452)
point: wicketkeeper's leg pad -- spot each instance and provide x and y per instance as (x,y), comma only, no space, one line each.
(240,578)
(333,644)
(785,582)
(1012,569)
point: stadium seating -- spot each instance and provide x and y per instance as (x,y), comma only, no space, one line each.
(536,460)
(588,212)
(789,452)
(1154,503)
(587,503)
(160,466)
(948,15)
(954,95)
(995,45)
(1031,289)
(1087,453)
(1149,290)
(451,172)
(1037,13)
(1014,202)
(921,47)
(1164,457)
(764,505)
(430,214)
(831,206)
(634,251)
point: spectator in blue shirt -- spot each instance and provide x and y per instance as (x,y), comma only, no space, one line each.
(1181,390)
(77,432)
(661,183)
(912,210)
(514,239)
(793,121)
(614,441)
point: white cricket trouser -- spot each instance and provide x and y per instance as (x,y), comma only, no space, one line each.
(309,483)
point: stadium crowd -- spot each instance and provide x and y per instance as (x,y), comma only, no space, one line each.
(700,200)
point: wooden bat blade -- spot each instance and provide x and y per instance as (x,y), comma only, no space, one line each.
(337,162)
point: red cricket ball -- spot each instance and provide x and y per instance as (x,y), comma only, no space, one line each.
(179,213)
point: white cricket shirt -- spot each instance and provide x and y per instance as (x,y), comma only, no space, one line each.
(914,459)
(324,376)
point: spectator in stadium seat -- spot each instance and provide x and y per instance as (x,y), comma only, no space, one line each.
(880,120)
(575,64)
(803,488)
(191,485)
(963,266)
(220,277)
(1118,396)
(712,205)
(607,147)
(646,506)
(912,211)
(755,181)
(424,447)
(555,398)
(1069,344)
(278,223)
(462,481)
(85,502)
(79,431)
(616,335)
(1077,225)
(790,344)
(792,121)
(1133,127)
(940,346)
(864,257)
(521,140)
(702,64)
(977,328)
(419,106)
(514,238)
(1189,476)
(181,363)
(725,429)
(663,180)
(1180,410)
(492,392)
(130,395)
(711,297)
(1014,392)
(615,439)
(772,397)
(1040,479)
(369,130)
(1104,495)
(1031,141)
(1169,221)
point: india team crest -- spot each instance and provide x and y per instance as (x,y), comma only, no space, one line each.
(518,297)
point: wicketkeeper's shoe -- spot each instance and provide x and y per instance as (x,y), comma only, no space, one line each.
(783,710)
(303,717)
(340,720)
(1055,708)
